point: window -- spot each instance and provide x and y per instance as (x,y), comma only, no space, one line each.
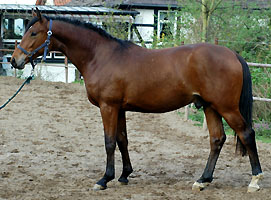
(13,28)
(167,24)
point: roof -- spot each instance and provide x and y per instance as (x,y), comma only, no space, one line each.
(12,8)
(128,3)
(124,4)
(61,2)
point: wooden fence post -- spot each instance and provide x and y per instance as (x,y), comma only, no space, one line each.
(216,41)
(204,126)
(66,69)
(15,72)
(186,112)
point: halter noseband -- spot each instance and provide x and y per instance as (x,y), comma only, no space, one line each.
(44,45)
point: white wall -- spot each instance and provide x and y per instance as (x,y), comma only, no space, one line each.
(145,17)
(50,73)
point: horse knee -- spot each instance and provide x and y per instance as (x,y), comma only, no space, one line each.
(110,144)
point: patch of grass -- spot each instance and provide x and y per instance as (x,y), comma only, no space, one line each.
(81,81)
(263,130)
(263,139)
(197,116)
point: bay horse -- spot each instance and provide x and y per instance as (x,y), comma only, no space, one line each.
(121,76)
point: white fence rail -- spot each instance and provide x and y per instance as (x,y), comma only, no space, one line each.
(259,65)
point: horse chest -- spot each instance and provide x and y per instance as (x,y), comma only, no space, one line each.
(92,94)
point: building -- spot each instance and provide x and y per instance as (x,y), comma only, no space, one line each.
(154,16)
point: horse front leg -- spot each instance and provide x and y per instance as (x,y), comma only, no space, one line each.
(122,142)
(217,139)
(110,120)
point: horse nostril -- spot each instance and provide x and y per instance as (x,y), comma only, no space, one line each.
(13,62)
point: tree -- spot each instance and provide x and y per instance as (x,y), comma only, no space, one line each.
(207,9)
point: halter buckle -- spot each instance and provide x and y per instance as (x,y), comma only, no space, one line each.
(49,33)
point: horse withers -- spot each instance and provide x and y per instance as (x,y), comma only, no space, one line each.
(121,76)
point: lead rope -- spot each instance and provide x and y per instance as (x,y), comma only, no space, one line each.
(27,81)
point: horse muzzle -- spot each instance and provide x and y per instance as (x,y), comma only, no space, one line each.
(16,64)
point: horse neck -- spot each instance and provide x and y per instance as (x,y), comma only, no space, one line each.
(80,45)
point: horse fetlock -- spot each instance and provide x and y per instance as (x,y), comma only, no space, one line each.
(127,171)
(109,177)
(253,186)
(199,186)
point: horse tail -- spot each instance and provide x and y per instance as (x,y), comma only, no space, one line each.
(245,103)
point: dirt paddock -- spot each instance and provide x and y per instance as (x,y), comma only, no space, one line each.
(52,147)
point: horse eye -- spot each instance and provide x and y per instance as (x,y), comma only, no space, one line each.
(33,34)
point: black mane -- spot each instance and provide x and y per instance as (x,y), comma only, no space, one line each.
(86,25)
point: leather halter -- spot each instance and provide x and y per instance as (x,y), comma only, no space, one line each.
(44,45)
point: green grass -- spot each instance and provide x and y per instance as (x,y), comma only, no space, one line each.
(263,139)
(81,81)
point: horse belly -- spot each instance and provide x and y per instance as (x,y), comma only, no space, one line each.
(158,102)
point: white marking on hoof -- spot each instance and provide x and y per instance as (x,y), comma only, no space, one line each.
(253,186)
(199,186)
(97,187)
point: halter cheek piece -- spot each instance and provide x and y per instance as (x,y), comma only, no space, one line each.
(44,45)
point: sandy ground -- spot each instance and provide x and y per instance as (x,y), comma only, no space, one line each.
(52,147)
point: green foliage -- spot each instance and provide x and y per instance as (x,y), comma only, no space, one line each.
(197,116)
(245,30)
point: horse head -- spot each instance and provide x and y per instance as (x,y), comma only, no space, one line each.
(33,43)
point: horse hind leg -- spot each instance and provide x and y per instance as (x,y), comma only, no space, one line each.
(217,139)
(246,136)
(122,142)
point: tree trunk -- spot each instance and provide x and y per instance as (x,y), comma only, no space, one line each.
(205,16)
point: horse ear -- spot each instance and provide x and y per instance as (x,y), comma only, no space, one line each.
(34,14)
(38,15)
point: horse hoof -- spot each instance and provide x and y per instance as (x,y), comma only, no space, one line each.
(253,186)
(123,183)
(97,187)
(199,186)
